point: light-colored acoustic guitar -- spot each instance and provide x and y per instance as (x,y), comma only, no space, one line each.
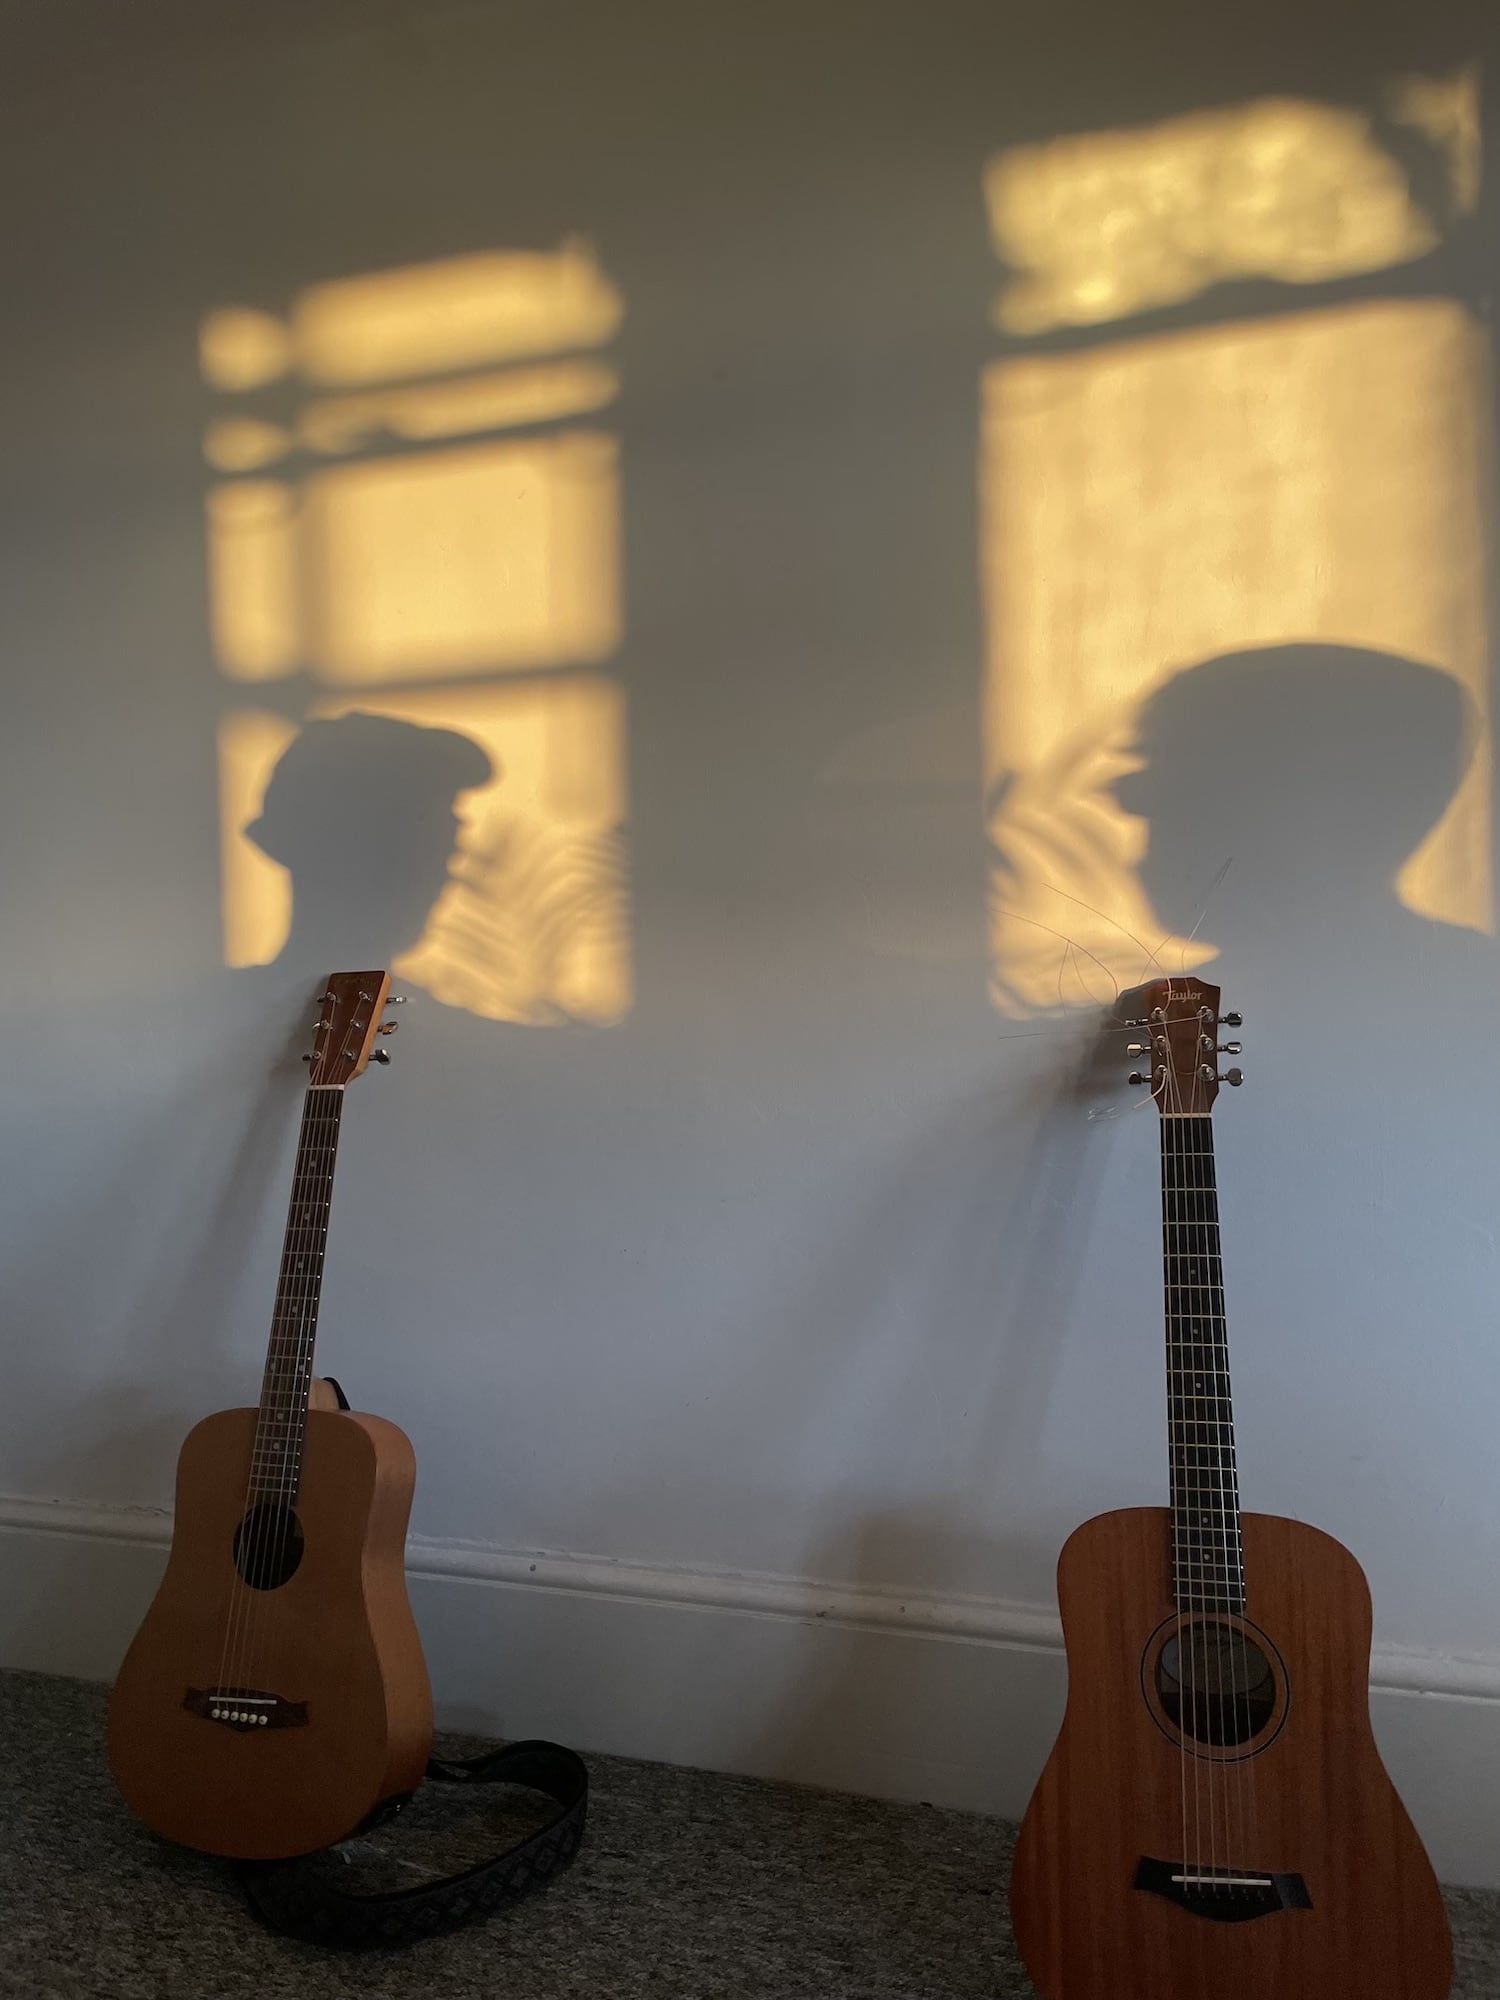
(276,1695)
(1214,1822)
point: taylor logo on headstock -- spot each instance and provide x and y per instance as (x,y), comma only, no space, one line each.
(1181,1018)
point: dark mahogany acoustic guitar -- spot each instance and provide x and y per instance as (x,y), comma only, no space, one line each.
(276,1694)
(1214,1822)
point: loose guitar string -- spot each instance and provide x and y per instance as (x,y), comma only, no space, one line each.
(296,1386)
(264,1461)
(241,1593)
(1151,956)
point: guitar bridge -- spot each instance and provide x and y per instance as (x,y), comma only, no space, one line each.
(245,1708)
(1223,1895)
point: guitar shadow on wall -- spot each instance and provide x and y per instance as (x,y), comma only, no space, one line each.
(360,810)
(1315,771)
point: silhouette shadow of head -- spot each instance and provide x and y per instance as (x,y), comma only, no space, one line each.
(360,810)
(1313,770)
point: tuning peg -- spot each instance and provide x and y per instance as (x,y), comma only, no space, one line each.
(1232,1077)
(380,1055)
(395,999)
(388,1027)
(307,1058)
(1138,1048)
(1231,1020)
(1227,1049)
(1136,1077)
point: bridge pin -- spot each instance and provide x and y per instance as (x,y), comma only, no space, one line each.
(262,1720)
(217,1714)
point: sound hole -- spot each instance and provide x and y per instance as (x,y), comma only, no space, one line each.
(1216,1684)
(268,1545)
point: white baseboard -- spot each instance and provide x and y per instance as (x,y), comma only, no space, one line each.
(898,1695)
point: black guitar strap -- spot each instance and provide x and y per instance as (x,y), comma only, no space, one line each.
(304,1898)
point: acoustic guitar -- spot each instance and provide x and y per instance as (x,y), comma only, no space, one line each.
(1214,1821)
(276,1695)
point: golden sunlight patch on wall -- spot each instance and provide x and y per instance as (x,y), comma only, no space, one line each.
(1100,225)
(436,543)
(533,923)
(1153,504)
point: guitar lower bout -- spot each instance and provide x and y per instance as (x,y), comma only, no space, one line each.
(266,1708)
(1214,1817)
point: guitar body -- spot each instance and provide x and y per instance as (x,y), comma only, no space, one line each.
(322,1699)
(1303,1797)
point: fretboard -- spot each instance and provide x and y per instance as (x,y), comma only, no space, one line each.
(281,1428)
(1208,1570)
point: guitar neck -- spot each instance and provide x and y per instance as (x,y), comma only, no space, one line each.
(1208,1569)
(281,1428)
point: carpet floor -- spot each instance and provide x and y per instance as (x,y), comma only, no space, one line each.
(689,1885)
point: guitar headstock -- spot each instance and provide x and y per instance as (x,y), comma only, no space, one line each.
(348,1021)
(1181,1022)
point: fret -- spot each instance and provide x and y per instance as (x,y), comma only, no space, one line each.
(1190,1310)
(1209,1433)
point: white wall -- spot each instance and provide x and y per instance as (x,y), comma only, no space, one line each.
(815,1267)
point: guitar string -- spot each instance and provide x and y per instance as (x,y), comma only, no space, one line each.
(296,1384)
(273,1439)
(296,1373)
(279,1455)
(1174,1432)
(1181,1587)
(1198,1496)
(239,1590)
(274,1458)
(1240,1780)
(1204,1582)
(1246,1759)
(1196,1179)
(1216,1572)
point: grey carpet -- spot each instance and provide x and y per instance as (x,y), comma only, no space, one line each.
(689,1885)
